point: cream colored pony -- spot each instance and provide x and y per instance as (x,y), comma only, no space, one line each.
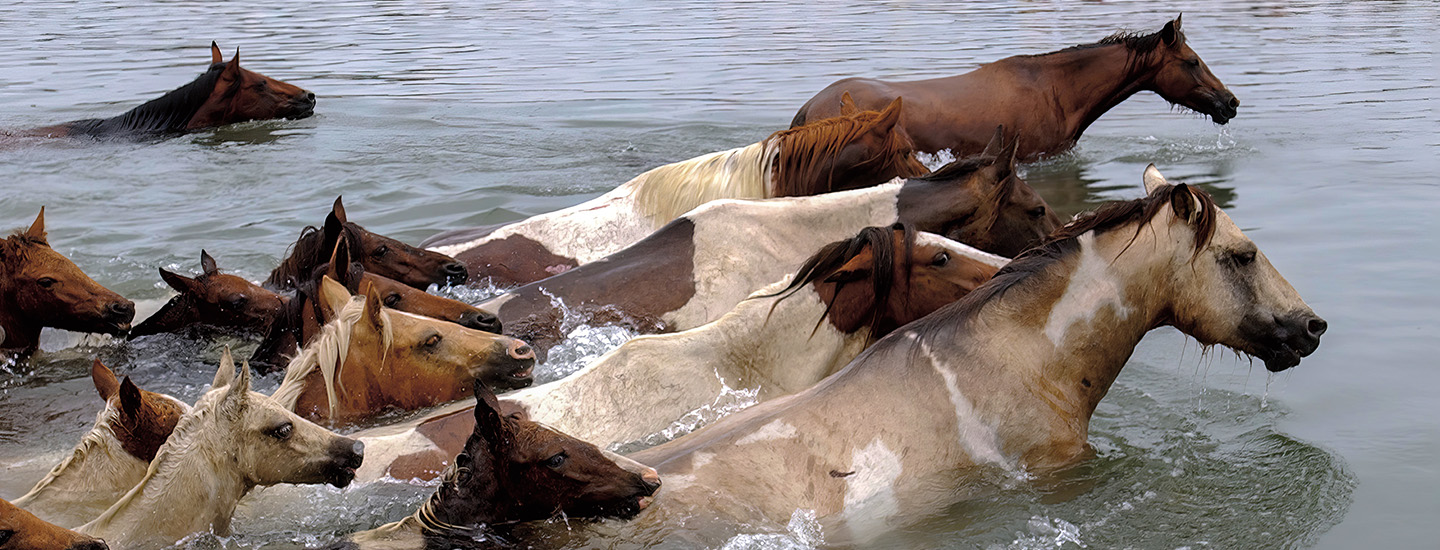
(231,441)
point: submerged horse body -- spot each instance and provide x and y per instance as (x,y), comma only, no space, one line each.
(1005,379)
(1047,100)
(224,94)
(848,152)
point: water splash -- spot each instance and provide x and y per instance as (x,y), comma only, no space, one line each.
(728,402)
(803,532)
(1046,532)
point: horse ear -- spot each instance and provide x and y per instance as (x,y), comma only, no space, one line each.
(37,229)
(847,105)
(215,56)
(889,117)
(129,397)
(856,269)
(207,263)
(337,211)
(232,69)
(489,423)
(373,303)
(340,264)
(180,283)
(333,296)
(1170,33)
(1153,179)
(226,373)
(104,379)
(997,142)
(1184,203)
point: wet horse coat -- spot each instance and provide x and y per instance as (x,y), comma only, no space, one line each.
(212,299)
(379,254)
(21,530)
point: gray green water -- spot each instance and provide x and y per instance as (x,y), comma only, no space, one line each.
(435,115)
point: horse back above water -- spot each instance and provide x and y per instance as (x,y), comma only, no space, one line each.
(224,94)
(1047,100)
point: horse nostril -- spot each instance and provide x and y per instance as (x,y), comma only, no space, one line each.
(1234,102)
(310,96)
(121,309)
(1316,327)
(651,479)
(455,267)
(520,350)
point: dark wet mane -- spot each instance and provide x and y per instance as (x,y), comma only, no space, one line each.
(958,168)
(311,250)
(1137,42)
(830,258)
(168,113)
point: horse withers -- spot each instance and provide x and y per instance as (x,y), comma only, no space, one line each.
(1045,100)
(41,288)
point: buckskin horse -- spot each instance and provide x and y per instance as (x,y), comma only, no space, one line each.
(1046,100)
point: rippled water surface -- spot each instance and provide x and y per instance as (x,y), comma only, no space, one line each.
(435,115)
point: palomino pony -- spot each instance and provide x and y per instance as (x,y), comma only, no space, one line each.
(699,266)
(513,470)
(231,441)
(379,254)
(21,530)
(40,288)
(212,299)
(369,358)
(1046,100)
(111,458)
(224,94)
(1005,379)
(847,152)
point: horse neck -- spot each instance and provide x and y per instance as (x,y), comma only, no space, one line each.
(19,334)
(791,343)
(1088,82)
(98,471)
(484,505)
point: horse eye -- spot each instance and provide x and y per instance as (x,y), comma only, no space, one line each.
(432,340)
(45,282)
(1037,212)
(556,461)
(1244,258)
(941,259)
(1193,62)
(392,299)
(383,250)
(282,432)
(239,301)
(5,535)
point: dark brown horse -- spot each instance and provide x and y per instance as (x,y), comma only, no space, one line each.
(21,530)
(1047,100)
(514,470)
(212,299)
(40,288)
(379,254)
(224,94)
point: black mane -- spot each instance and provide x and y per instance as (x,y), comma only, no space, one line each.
(168,113)
(1137,42)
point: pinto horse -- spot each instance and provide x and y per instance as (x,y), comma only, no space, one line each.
(212,299)
(1046,100)
(1005,379)
(223,94)
(379,254)
(40,288)
(512,470)
(699,266)
(111,458)
(856,150)
(21,530)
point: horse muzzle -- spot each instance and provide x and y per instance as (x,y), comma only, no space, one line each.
(1285,340)
(346,456)
(1223,106)
(301,106)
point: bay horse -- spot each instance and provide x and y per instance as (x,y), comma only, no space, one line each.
(781,340)
(111,458)
(213,299)
(224,94)
(856,150)
(1005,380)
(368,359)
(41,288)
(1046,100)
(379,254)
(699,266)
(514,470)
(21,530)
(230,442)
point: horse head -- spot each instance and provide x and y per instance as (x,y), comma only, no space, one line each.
(146,419)
(397,295)
(513,469)
(41,288)
(212,298)
(240,95)
(854,150)
(1182,78)
(21,530)
(1226,291)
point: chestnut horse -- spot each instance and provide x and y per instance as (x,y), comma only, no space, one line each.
(379,254)
(212,299)
(1005,380)
(514,470)
(21,530)
(111,458)
(699,266)
(224,94)
(40,288)
(1046,100)
(368,359)
(856,150)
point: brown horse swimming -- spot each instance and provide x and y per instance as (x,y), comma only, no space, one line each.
(857,149)
(224,94)
(1005,379)
(40,288)
(514,470)
(1047,100)
(21,530)
(212,299)
(379,254)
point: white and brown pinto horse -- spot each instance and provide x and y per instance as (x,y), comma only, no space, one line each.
(850,151)
(111,458)
(699,266)
(231,441)
(1005,379)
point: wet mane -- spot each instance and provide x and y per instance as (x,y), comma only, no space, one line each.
(168,113)
(823,264)
(957,169)
(309,251)
(1137,42)
(803,149)
(327,353)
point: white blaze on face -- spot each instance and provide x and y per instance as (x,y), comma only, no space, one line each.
(776,429)
(870,490)
(1091,288)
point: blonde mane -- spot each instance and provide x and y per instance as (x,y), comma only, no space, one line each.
(327,352)
(666,192)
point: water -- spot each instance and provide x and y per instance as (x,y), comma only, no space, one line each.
(436,115)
